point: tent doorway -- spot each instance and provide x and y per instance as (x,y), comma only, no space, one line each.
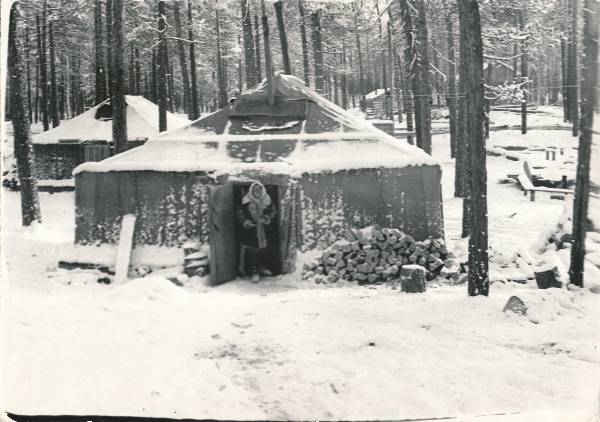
(270,257)
(225,239)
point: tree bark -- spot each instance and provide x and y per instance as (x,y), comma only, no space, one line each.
(162,68)
(589,96)
(478,281)
(344,79)
(185,79)
(43,75)
(99,54)
(28,61)
(53,90)
(222,95)
(285,51)
(361,79)
(392,72)
(416,39)
(257,41)
(195,111)
(109,37)
(119,105)
(249,56)
(267,45)
(524,75)
(451,78)
(407,96)
(572,69)
(315,21)
(23,148)
(304,39)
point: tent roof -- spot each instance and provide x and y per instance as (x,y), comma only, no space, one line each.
(142,123)
(302,133)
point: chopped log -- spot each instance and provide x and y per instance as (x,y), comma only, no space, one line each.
(515,305)
(548,278)
(412,279)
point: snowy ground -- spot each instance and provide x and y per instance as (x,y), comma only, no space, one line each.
(285,349)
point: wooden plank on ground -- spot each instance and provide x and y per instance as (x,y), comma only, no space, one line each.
(124,250)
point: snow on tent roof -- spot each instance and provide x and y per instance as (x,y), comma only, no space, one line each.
(142,123)
(224,143)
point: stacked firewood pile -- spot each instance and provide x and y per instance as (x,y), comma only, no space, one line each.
(378,256)
(196,262)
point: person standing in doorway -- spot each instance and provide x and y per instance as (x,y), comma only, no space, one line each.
(255,218)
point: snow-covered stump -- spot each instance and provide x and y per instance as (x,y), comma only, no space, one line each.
(413,278)
(547,278)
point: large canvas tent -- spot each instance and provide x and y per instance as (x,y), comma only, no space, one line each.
(88,136)
(325,168)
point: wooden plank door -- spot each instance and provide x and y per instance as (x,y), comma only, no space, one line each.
(287,226)
(222,234)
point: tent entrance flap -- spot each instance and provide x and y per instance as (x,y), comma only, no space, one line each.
(222,234)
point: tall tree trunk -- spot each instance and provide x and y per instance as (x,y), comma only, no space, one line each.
(451,79)
(407,96)
(119,105)
(361,79)
(524,75)
(315,23)
(138,73)
(100,74)
(257,41)
(36,108)
(267,45)
(162,67)
(383,64)
(564,79)
(222,95)
(416,39)
(589,95)
(572,69)
(461,166)
(249,57)
(154,77)
(23,148)
(43,75)
(195,113)
(185,79)
(478,281)
(53,91)
(304,39)
(28,61)
(392,72)
(109,47)
(344,78)
(285,52)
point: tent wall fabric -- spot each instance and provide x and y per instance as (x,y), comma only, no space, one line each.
(172,207)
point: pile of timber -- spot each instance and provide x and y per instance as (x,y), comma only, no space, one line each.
(196,262)
(378,256)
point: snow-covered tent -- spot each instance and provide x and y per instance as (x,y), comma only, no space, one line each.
(326,170)
(88,136)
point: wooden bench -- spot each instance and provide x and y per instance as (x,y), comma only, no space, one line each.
(526,181)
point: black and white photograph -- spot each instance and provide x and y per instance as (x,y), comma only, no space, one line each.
(300,210)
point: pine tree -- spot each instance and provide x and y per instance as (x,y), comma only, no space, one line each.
(317,45)
(249,54)
(415,30)
(182,60)
(304,40)
(43,74)
(100,74)
(162,67)
(589,89)
(287,66)
(119,105)
(53,92)
(195,112)
(478,281)
(23,148)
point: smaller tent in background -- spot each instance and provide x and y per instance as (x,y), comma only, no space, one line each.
(88,137)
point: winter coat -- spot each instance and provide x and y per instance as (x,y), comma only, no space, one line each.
(247,228)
